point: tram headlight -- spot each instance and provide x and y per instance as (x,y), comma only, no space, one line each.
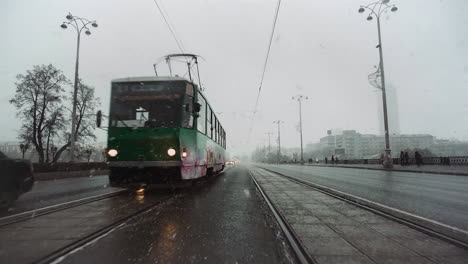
(171,152)
(112,153)
(184,152)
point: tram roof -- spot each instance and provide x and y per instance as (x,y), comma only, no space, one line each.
(150,79)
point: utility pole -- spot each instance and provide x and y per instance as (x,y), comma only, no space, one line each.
(269,141)
(376,9)
(278,122)
(299,99)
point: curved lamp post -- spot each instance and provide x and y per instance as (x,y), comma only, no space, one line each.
(278,122)
(299,98)
(79,24)
(24,148)
(376,9)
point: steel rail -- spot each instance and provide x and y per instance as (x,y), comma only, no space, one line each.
(439,230)
(63,252)
(7,220)
(296,245)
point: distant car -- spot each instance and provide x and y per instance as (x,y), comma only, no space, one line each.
(16,178)
(230,162)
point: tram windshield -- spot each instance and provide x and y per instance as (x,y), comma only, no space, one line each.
(148,104)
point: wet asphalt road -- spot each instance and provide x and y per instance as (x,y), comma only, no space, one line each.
(221,220)
(443,198)
(46,193)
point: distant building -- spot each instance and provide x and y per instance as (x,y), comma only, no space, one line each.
(444,147)
(351,144)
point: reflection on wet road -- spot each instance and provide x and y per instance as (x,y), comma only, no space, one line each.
(34,239)
(219,221)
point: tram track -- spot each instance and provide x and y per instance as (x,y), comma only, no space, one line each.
(293,239)
(58,255)
(11,219)
(447,233)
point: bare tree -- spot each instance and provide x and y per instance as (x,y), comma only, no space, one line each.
(38,102)
(85,125)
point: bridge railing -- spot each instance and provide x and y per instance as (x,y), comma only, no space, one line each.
(457,160)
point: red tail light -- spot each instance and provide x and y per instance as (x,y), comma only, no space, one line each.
(184,152)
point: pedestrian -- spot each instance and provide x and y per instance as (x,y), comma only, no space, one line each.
(418,158)
(406,158)
(336,160)
(333,159)
(402,158)
(326,160)
(381,158)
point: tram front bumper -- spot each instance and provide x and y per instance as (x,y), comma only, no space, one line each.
(144,164)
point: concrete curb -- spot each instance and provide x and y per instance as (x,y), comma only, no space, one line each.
(401,170)
(450,233)
(47,176)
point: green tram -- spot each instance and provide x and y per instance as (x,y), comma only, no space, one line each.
(162,130)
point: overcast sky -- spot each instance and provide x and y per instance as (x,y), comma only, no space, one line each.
(322,49)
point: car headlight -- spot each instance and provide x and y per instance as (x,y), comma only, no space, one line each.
(112,153)
(171,152)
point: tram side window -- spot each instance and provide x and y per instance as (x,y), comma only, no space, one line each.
(215,130)
(224,139)
(201,120)
(220,135)
(187,121)
(209,122)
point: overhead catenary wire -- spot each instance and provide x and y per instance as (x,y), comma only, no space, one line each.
(169,26)
(269,47)
(265,65)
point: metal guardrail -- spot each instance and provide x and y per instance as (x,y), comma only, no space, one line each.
(443,161)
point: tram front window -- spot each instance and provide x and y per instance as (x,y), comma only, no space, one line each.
(151,105)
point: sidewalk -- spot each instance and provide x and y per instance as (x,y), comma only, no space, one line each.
(441,169)
(334,231)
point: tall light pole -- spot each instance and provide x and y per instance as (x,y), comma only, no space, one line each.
(278,122)
(79,24)
(269,141)
(376,9)
(299,99)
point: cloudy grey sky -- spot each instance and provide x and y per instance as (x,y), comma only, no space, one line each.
(323,49)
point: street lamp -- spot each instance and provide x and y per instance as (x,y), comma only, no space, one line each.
(54,150)
(79,24)
(278,122)
(299,99)
(376,9)
(24,148)
(269,141)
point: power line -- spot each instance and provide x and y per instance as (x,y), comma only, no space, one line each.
(265,64)
(170,23)
(269,45)
(169,26)
(267,55)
